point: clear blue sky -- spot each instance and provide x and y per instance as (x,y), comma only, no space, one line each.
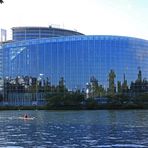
(107,17)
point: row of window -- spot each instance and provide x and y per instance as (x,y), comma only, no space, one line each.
(76,60)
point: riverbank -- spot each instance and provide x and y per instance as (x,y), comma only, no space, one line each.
(22,107)
(96,107)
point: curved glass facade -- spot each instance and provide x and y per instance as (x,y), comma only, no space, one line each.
(26,33)
(116,63)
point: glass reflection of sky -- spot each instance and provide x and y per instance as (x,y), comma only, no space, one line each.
(77,58)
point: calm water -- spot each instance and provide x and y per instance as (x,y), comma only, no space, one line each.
(74,129)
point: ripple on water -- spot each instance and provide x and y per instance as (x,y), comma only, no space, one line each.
(129,145)
(70,146)
(48,142)
(90,142)
(101,146)
(12,147)
(107,132)
(11,142)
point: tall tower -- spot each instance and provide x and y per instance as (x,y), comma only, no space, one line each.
(2,39)
(139,75)
(3,35)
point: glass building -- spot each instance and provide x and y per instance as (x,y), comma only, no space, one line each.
(26,33)
(116,63)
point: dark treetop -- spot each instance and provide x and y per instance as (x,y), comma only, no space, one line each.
(1,1)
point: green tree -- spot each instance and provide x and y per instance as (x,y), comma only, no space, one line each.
(64,99)
(96,89)
(112,88)
(61,87)
(119,87)
(94,86)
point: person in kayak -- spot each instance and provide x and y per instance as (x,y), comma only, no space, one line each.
(25,116)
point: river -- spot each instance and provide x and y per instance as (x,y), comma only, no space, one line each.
(74,129)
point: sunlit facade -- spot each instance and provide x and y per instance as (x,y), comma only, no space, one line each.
(26,33)
(77,59)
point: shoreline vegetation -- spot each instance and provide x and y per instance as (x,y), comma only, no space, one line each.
(93,97)
(78,101)
(62,108)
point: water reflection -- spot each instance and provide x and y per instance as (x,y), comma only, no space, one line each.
(70,129)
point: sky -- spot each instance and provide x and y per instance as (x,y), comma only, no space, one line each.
(91,17)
